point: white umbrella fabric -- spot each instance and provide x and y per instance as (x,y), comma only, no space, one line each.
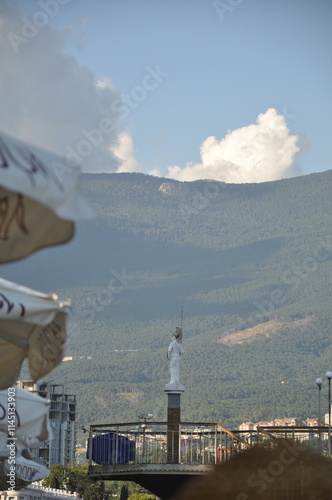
(39,199)
(18,473)
(32,325)
(22,445)
(24,421)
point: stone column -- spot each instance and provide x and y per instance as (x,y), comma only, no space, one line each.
(173,392)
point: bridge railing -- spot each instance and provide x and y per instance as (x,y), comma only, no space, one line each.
(316,438)
(159,442)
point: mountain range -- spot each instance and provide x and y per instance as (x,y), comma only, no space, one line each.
(250,265)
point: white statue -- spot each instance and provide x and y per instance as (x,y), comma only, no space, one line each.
(174,353)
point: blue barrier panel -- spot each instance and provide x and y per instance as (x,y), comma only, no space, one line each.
(111,449)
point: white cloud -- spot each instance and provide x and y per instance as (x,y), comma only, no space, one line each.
(125,151)
(51,101)
(264,151)
(155,172)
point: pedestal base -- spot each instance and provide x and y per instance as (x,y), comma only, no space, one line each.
(174,392)
(176,388)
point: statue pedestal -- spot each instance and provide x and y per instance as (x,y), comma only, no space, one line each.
(175,388)
(174,392)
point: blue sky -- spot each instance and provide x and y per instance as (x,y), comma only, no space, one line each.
(219,65)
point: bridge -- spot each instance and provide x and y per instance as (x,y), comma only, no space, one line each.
(162,457)
(159,456)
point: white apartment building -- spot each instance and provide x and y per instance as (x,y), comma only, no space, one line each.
(62,447)
(36,491)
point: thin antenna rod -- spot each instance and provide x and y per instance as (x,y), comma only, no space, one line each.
(181,316)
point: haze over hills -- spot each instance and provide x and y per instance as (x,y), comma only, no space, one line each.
(251,264)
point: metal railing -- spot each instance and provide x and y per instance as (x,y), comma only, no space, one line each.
(315,438)
(162,443)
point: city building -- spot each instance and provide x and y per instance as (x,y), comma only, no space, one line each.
(250,426)
(311,422)
(247,426)
(287,422)
(61,448)
(281,422)
(36,491)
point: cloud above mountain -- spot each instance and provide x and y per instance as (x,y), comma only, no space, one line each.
(259,152)
(49,100)
(125,151)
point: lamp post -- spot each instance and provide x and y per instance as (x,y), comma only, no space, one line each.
(329,376)
(143,426)
(319,382)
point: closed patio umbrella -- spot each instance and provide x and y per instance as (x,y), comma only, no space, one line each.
(24,421)
(39,199)
(32,326)
(20,473)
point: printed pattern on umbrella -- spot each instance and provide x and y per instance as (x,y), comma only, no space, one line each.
(39,200)
(33,326)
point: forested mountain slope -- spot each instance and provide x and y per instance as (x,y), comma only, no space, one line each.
(234,256)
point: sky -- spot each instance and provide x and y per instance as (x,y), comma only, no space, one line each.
(232,90)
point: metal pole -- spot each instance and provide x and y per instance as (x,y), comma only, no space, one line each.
(319,419)
(319,382)
(216,445)
(144,443)
(329,438)
(329,376)
(116,450)
(90,446)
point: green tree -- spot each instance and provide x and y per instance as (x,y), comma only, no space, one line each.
(57,477)
(75,479)
(124,492)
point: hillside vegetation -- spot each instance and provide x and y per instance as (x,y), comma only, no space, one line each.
(250,264)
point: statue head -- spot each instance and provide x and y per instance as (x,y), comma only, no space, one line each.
(178,334)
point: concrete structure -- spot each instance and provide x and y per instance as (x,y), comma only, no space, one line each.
(62,447)
(173,419)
